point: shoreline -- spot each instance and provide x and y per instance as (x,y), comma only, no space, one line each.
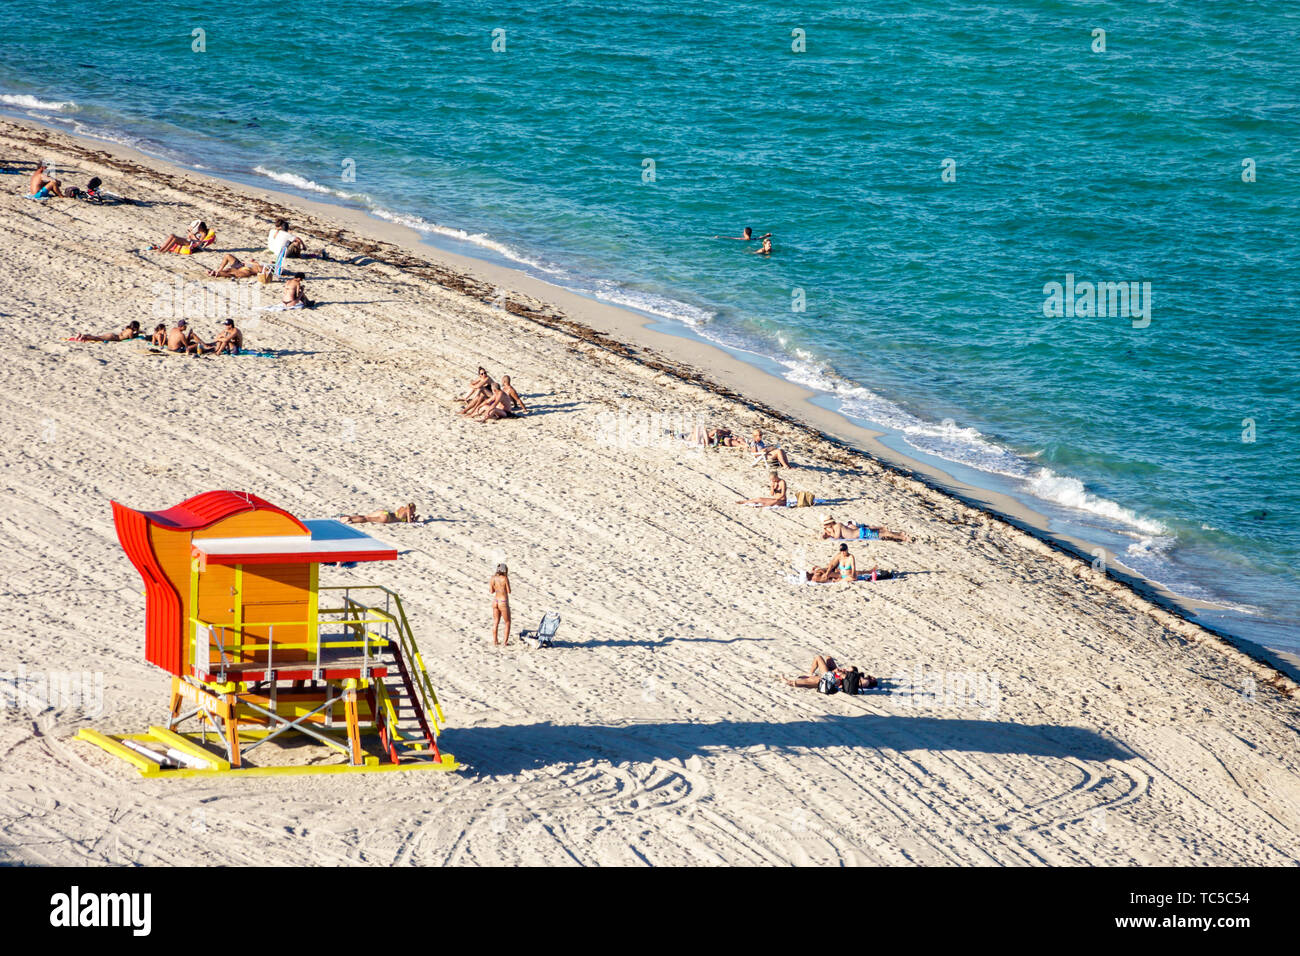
(1034,711)
(681,354)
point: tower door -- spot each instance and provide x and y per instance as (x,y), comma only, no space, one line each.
(217,602)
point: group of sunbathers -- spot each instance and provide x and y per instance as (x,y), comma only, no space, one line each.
(199,236)
(487,400)
(706,437)
(181,338)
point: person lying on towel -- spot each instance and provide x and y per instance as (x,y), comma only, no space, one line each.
(130,332)
(852,530)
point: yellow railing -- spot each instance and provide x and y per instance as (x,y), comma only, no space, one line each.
(232,644)
(372,628)
(393,610)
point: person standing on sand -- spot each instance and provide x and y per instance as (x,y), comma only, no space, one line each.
(499,588)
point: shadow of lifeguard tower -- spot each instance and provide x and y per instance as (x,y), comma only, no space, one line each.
(256,647)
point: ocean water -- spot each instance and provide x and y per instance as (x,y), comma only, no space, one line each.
(927,170)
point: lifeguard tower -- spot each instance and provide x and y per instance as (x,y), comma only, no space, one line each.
(257,648)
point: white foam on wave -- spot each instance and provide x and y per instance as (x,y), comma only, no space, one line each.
(302,182)
(23,101)
(1070,492)
(652,303)
(608,291)
(963,445)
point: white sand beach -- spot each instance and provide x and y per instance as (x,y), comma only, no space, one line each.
(1036,712)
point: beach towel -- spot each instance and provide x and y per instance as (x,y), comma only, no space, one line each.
(42,195)
(281,307)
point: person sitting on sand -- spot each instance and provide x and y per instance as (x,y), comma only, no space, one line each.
(182,339)
(41,186)
(778,496)
(159,335)
(861,532)
(294,247)
(774,455)
(404,513)
(499,588)
(496,407)
(482,383)
(130,332)
(198,236)
(482,399)
(843,567)
(516,402)
(229,339)
(294,296)
(233,268)
(824,669)
(765,249)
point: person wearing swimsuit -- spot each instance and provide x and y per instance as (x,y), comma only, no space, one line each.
(405,513)
(851,530)
(499,587)
(778,496)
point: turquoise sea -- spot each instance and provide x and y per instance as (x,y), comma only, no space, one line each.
(927,171)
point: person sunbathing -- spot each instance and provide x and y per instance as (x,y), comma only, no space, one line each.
(517,403)
(294,246)
(198,236)
(229,339)
(233,268)
(41,186)
(294,296)
(825,665)
(182,339)
(778,496)
(843,567)
(130,332)
(482,382)
(702,435)
(482,399)
(159,335)
(852,530)
(774,455)
(404,513)
(498,406)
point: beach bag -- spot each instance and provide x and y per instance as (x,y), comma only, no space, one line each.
(851,679)
(803,499)
(828,684)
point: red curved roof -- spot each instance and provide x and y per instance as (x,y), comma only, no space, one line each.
(202,511)
(164,627)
